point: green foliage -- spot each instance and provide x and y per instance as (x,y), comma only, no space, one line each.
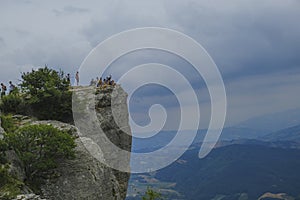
(151,195)
(4,175)
(44,94)
(3,148)
(13,103)
(40,147)
(8,124)
(47,94)
(15,91)
(9,186)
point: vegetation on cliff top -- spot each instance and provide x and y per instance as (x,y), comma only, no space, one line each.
(44,94)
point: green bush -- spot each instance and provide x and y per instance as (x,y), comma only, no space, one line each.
(10,187)
(12,103)
(44,94)
(4,175)
(40,147)
(150,194)
(8,123)
(47,94)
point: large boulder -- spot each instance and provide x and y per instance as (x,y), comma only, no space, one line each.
(82,178)
(85,176)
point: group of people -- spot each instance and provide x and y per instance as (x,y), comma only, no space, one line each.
(12,87)
(100,83)
(68,77)
(97,82)
(94,82)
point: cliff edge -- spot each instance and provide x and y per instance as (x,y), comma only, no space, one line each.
(85,177)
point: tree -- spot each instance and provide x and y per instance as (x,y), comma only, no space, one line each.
(40,147)
(151,195)
(13,103)
(47,94)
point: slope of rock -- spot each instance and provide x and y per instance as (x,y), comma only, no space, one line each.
(85,177)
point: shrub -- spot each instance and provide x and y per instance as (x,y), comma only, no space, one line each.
(4,175)
(12,103)
(40,147)
(8,124)
(47,94)
(150,194)
(10,187)
(44,94)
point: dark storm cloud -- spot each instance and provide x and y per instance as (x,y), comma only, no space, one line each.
(244,38)
(255,44)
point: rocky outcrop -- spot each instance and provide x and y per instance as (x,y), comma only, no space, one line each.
(81,178)
(85,176)
(16,165)
(110,107)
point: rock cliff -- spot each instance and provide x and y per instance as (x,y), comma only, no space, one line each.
(85,177)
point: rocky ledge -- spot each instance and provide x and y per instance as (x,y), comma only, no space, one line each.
(86,177)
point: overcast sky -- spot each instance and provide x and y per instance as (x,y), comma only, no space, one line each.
(255,45)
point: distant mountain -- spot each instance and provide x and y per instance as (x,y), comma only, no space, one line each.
(236,133)
(289,134)
(273,122)
(258,159)
(285,138)
(235,172)
(288,144)
(164,137)
(255,128)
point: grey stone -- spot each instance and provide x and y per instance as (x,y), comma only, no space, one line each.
(85,177)
(28,197)
(16,166)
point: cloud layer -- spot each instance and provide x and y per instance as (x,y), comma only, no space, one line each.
(255,44)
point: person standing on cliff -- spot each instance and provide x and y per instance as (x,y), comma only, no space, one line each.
(3,89)
(12,87)
(68,79)
(99,84)
(77,78)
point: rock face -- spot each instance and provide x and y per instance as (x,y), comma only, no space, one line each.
(85,177)
(16,165)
